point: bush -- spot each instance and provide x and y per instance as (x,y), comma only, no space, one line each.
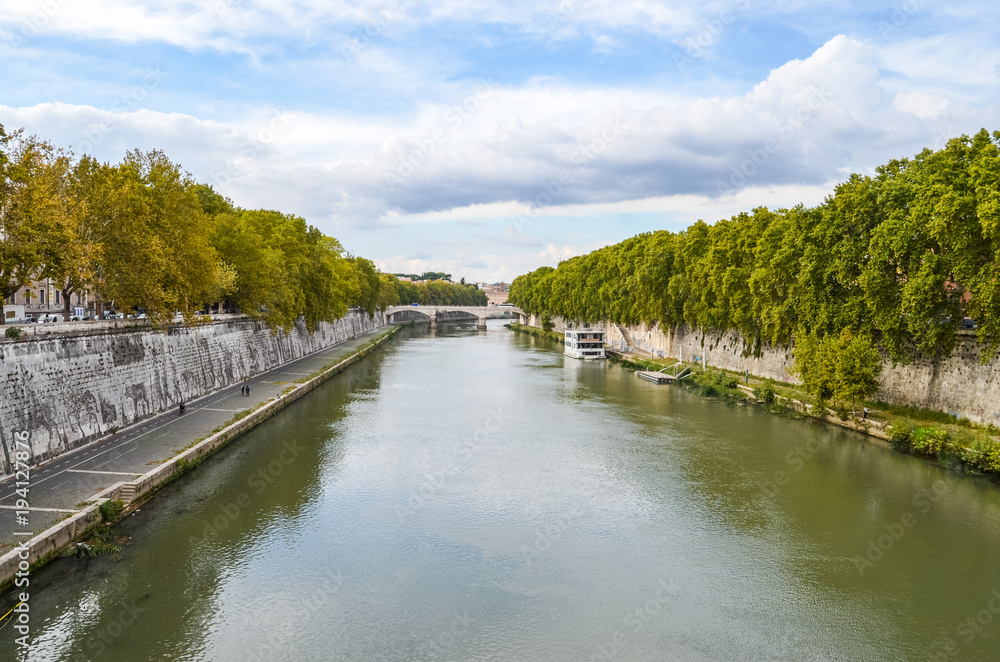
(979,452)
(709,390)
(930,441)
(901,436)
(765,392)
(111,510)
(725,380)
(13,332)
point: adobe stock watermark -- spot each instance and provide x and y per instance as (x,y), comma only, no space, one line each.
(20,615)
(251,146)
(461,457)
(428,146)
(97,644)
(363,35)
(437,646)
(549,534)
(561,12)
(635,620)
(129,102)
(32,25)
(894,531)
(223,7)
(258,481)
(900,16)
(711,33)
(786,127)
(967,630)
(796,461)
(553,189)
(287,627)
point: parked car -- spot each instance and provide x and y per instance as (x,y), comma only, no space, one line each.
(52,318)
(968,323)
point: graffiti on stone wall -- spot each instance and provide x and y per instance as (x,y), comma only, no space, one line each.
(136,402)
(66,393)
(127,349)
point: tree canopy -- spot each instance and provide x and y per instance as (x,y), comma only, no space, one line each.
(142,235)
(899,257)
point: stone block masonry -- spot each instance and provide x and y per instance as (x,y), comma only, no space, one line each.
(957,384)
(72,388)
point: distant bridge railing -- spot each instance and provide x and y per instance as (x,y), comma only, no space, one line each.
(441,313)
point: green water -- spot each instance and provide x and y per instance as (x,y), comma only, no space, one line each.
(477,496)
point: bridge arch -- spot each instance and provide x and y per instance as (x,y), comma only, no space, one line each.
(396,314)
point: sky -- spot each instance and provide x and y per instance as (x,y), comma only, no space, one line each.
(488,139)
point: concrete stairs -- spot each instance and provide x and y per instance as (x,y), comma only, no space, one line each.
(127,492)
(627,336)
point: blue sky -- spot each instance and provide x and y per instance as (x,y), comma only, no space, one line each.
(489,139)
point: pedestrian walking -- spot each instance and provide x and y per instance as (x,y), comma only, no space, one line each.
(243,389)
(865,417)
(248,390)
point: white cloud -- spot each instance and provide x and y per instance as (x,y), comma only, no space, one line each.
(544,148)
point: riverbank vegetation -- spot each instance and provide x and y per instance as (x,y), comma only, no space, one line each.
(141,235)
(898,259)
(956,443)
(438,293)
(535,331)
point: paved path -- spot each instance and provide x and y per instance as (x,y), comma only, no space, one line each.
(59,486)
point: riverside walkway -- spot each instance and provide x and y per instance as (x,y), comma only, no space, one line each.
(63,485)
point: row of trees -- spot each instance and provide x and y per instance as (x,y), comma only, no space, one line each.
(899,257)
(143,235)
(440,293)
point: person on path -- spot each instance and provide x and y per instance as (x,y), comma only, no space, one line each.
(248,390)
(865,417)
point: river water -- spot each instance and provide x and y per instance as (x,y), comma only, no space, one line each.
(477,496)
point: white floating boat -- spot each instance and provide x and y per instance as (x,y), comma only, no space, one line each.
(584,344)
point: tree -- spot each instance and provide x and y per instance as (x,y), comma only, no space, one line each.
(33,211)
(388,291)
(858,368)
(843,366)
(74,252)
(369,285)
(155,250)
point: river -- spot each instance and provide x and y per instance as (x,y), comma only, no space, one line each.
(477,496)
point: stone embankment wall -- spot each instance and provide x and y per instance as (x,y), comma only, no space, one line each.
(72,388)
(957,384)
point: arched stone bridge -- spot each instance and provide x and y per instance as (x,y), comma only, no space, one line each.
(441,313)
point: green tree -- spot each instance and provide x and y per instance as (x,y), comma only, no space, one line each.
(155,254)
(33,211)
(858,368)
(842,366)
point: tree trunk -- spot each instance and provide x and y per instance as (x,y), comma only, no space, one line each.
(66,292)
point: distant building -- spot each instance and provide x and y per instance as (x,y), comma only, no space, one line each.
(495,293)
(43,297)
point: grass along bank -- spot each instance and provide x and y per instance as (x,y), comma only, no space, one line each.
(535,331)
(954,442)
